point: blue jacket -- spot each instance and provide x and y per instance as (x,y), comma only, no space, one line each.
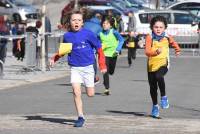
(93,25)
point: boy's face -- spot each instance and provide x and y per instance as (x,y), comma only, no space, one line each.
(76,22)
(130,14)
(106,25)
(158,28)
(131,34)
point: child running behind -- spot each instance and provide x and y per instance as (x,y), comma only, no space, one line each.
(112,43)
(131,45)
(81,61)
(157,51)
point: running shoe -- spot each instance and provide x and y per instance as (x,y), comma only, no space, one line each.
(155,111)
(164,102)
(106,92)
(79,122)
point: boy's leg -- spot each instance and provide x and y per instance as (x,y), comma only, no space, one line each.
(88,79)
(153,87)
(106,80)
(76,81)
(106,75)
(154,94)
(90,91)
(129,57)
(3,50)
(134,53)
(77,98)
(161,83)
(78,104)
(112,64)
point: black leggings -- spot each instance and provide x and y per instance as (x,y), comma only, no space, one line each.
(156,79)
(3,50)
(110,63)
(131,55)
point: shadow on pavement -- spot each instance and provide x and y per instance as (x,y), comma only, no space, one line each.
(86,93)
(54,120)
(140,80)
(140,114)
(131,113)
(67,84)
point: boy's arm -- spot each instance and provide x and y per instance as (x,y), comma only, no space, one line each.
(174,45)
(95,42)
(148,51)
(101,60)
(120,39)
(55,58)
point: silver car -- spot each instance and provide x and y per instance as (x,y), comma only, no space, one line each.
(18,10)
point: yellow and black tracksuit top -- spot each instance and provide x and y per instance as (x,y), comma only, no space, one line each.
(155,61)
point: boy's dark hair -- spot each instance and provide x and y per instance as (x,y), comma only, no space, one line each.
(110,19)
(74,12)
(158,18)
(38,24)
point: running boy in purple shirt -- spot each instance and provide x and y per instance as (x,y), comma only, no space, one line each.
(81,61)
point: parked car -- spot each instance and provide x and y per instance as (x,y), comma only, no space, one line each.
(152,3)
(179,24)
(18,10)
(193,6)
(125,6)
(94,2)
(104,9)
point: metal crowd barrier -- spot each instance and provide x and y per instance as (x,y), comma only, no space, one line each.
(30,52)
(32,60)
(34,49)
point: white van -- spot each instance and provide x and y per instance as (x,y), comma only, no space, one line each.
(179,24)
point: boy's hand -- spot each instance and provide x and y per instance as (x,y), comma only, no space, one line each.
(103,71)
(51,62)
(53,59)
(158,51)
(116,53)
(177,53)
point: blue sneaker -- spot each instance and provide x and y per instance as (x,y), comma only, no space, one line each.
(79,122)
(164,102)
(155,111)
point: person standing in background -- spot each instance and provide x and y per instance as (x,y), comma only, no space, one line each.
(131,22)
(131,45)
(4,30)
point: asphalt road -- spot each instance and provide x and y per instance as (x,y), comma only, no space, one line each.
(48,108)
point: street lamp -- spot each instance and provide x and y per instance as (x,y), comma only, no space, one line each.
(157,4)
(76,4)
(43,45)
